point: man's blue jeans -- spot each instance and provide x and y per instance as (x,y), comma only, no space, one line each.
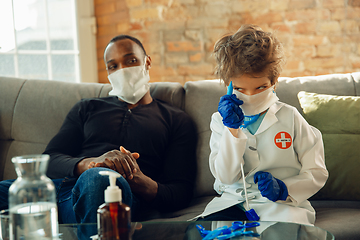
(79,198)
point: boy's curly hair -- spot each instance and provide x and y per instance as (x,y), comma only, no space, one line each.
(249,51)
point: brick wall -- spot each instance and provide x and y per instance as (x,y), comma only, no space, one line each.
(319,36)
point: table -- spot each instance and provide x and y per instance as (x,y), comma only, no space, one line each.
(188,231)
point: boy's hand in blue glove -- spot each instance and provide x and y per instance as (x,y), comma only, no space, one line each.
(230,111)
(270,187)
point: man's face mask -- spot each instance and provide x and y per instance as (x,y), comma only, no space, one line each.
(130,84)
(258,103)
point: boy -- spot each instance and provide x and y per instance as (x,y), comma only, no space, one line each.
(282,155)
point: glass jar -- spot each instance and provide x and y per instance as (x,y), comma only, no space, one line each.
(32,200)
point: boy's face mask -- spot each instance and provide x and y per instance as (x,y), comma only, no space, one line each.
(130,84)
(258,103)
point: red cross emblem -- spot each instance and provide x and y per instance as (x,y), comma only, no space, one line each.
(283,140)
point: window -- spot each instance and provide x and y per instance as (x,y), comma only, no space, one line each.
(48,39)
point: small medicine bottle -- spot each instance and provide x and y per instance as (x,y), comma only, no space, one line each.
(113,216)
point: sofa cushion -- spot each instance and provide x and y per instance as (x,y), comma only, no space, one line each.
(336,84)
(338,118)
(201,101)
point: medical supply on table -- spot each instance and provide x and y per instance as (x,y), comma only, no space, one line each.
(231,113)
(250,213)
(237,229)
(114,218)
(272,188)
(32,200)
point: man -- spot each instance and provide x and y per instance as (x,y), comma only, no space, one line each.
(150,143)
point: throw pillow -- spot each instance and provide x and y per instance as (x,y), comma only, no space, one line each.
(338,119)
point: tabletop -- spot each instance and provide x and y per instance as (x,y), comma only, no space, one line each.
(189,231)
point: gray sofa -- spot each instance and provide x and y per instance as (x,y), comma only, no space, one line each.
(32,111)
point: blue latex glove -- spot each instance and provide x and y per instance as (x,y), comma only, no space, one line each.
(230,111)
(270,187)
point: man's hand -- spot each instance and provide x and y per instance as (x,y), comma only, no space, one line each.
(108,160)
(139,182)
(124,162)
(121,161)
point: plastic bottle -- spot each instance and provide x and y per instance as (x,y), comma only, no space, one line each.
(32,200)
(113,217)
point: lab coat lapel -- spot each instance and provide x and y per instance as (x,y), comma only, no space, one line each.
(270,117)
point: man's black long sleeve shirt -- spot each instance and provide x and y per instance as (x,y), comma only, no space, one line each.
(164,136)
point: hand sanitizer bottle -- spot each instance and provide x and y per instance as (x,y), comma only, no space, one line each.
(113,217)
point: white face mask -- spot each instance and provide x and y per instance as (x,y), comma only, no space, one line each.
(255,104)
(130,84)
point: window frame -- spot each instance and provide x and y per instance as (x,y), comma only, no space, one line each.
(87,30)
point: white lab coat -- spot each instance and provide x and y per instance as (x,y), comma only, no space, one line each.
(284,145)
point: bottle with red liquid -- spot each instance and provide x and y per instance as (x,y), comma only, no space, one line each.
(113,217)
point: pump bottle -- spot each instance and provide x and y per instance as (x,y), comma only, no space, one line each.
(113,216)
